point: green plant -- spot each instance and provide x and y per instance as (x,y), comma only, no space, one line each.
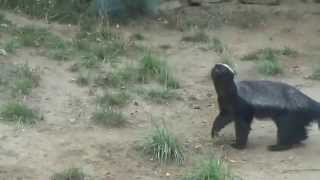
(164,147)
(159,96)
(86,62)
(216,45)
(289,52)
(84,78)
(109,118)
(211,169)
(12,46)
(31,36)
(198,37)
(70,174)
(153,68)
(4,23)
(60,54)
(269,53)
(269,68)
(104,44)
(137,36)
(4,20)
(26,79)
(18,79)
(119,78)
(19,113)
(53,10)
(109,51)
(113,99)
(316,73)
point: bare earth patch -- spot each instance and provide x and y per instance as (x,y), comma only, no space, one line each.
(69,138)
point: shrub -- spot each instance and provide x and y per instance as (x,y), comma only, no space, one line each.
(53,10)
(269,68)
(113,99)
(316,73)
(109,118)
(153,68)
(211,169)
(19,113)
(69,174)
(164,147)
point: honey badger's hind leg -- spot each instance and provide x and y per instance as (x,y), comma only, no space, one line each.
(291,130)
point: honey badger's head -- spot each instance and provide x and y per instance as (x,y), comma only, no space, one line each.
(222,72)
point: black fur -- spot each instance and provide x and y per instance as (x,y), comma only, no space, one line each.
(290,109)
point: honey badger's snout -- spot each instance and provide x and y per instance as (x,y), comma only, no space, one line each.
(221,70)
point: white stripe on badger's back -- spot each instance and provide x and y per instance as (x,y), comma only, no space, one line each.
(227,66)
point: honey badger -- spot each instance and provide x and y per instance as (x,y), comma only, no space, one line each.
(240,101)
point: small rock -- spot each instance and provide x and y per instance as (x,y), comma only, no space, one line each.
(194,2)
(195,106)
(291,158)
(136,103)
(198,147)
(3,52)
(168,174)
(72,120)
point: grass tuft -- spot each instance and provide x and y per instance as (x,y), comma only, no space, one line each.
(18,79)
(211,169)
(286,51)
(153,68)
(315,74)
(267,52)
(27,79)
(69,174)
(268,60)
(12,46)
(159,96)
(149,68)
(31,36)
(118,79)
(19,113)
(164,146)
(109,118)
(113,99)
(137,36)
(84,78)
(269,68)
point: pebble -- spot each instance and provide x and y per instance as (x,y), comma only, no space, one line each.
(195,106)
(3,52)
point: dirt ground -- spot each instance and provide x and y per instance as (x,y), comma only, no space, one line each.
(68,138)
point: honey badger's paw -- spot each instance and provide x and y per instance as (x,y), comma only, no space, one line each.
(238,146)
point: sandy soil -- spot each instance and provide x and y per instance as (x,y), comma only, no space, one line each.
(68,138)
